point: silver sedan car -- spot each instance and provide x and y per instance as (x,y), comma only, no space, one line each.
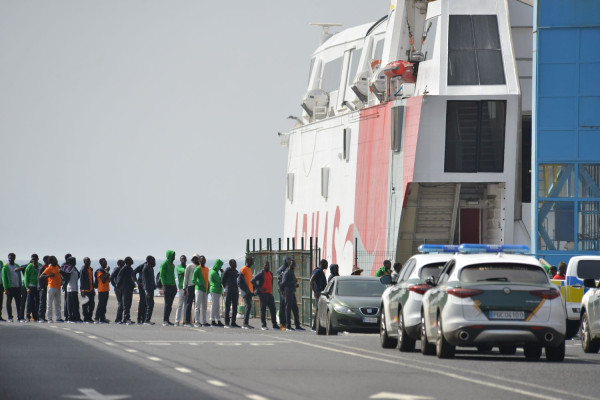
(487,297)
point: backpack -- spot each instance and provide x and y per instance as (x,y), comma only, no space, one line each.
(159,284)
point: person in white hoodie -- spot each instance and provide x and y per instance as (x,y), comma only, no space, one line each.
(188,290)
(73,290)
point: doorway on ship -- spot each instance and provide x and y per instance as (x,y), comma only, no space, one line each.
(470,225)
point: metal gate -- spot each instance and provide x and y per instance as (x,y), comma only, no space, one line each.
(306,260)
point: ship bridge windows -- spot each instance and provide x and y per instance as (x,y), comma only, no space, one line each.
(332,75)
(474,51)
(475,132)
(355,58)
(378,49)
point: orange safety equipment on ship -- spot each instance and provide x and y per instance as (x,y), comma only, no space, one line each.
(405,69)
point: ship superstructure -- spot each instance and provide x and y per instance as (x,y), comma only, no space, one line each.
(411,132)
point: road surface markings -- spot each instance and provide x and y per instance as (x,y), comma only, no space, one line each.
(183,370)
(215,382)
(196,341)
(79,332)
(109,343)
(399,396)
(255,397)
(473,372)
(66,329)
(131,350)
(93,394)
(93,337)
(193,344)
(154,359)
(159,344)
(228,344)
(429,370)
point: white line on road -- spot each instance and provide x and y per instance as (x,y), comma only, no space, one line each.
(131,350)
(215,382)
(159,344)
(255,397)
(78,332)
(109,343)
(183,370)
(428,369)
(93,337)
(154,359)
(194,341)
(473,372)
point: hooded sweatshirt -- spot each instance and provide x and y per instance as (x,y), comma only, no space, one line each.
(31,275)
(71,270)
(10,277)
(215,279)
(167,270)
(334,270)
(281,270)
(198,279)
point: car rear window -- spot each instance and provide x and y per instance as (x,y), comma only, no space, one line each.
(432,269)
(588,269)
(371,288)
(503,272)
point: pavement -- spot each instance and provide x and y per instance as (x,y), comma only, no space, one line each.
(88,361)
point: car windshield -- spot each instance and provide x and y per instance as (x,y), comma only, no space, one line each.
(432,269)
(503,272)
(370,288)
(588,269)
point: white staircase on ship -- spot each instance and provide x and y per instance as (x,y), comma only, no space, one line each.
(436,213)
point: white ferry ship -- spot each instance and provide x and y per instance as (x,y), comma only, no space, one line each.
(411,132)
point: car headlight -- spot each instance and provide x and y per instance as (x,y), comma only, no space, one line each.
(343,309)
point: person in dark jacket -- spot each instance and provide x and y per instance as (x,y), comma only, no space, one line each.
(289,284)
(65,280)
(86,286)
(229,282)
(126,284)
(318,281)
(149,284)
(137,276)
(102,280)
(43,282)
(334,270)
(263,285)
(113,281)
(280,272)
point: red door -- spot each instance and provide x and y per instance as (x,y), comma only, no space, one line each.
(470,225)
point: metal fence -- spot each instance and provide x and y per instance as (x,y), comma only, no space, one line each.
(306,260)
(370,262)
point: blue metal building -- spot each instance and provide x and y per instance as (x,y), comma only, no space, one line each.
(566,129)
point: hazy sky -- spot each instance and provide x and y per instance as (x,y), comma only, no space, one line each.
(132,127)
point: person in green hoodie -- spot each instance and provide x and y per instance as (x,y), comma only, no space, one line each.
(385,270)
(167,277)
(216,291)
(11,279)
(31,283)
(1,291)
(180,269)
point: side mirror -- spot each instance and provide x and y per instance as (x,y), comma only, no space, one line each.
(430,280)
(386,279)
(589,283)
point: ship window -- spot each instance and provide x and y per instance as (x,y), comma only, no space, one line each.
(475,136)
(312,64)
(332,75)
(325,182)
(290,186)
(354,65)
(474,52)
(429,38)
(346,144)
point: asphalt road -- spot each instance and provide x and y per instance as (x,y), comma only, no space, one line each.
(58,361)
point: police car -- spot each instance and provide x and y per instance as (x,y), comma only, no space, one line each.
(493,295)
(401,303)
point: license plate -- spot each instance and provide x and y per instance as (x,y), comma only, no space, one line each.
(517,315)
(370,320)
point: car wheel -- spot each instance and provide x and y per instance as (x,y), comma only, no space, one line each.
(329,331)
(386,341)
(508,349)
(427,349)
(405,342)
(484,348)
(318,328)
(443,349)
(587,343)
(556,353)
(532,351)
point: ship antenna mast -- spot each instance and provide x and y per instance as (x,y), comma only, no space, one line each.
(325,34)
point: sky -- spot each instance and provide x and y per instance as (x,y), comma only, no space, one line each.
(132,127)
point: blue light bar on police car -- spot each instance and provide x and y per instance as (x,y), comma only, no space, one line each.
(471,248)
(438,248)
